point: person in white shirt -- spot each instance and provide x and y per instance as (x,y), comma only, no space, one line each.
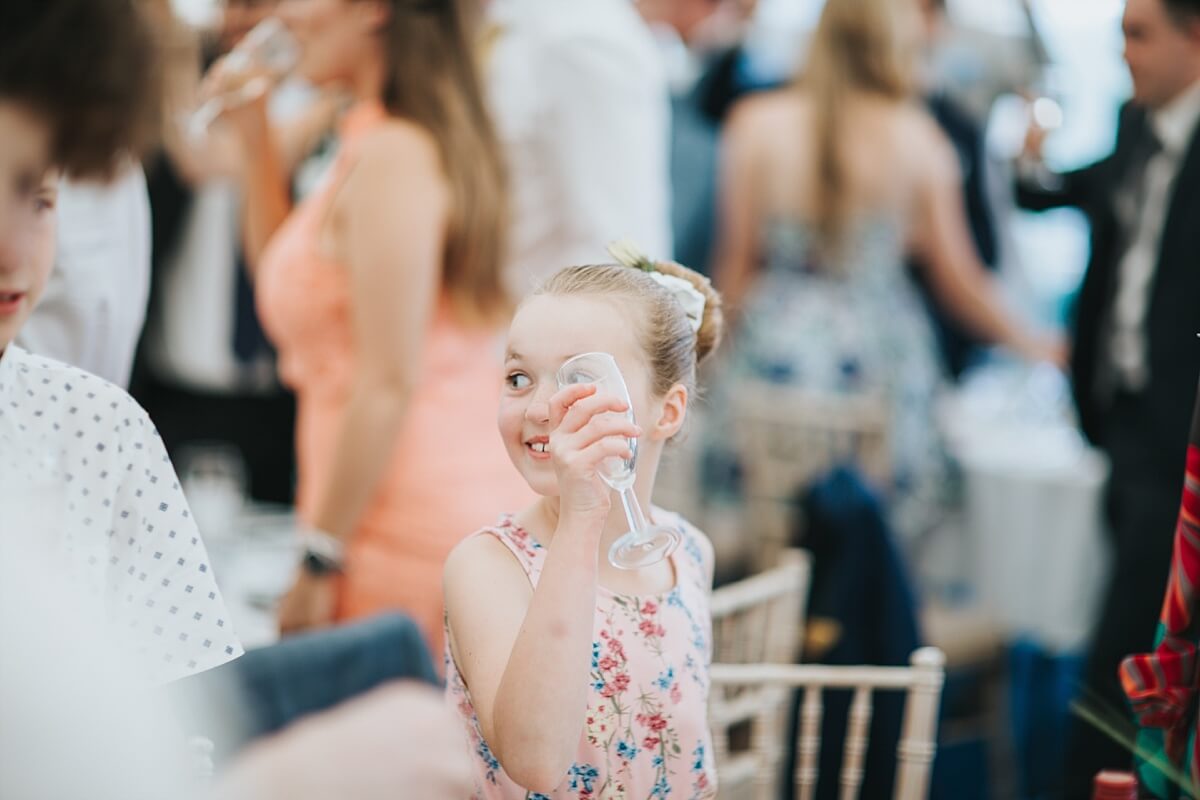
(581,103)
(83,474)
(94,306)
(81,462)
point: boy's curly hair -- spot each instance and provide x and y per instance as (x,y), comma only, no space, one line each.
(89,68)
(1183,12)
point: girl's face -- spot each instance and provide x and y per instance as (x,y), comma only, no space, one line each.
(28,193)
(335,36)
(546,332)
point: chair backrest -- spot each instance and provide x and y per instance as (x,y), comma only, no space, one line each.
(921,681)
(756,620)
(788,437)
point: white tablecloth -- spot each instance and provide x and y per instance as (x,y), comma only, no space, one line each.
(1034,511)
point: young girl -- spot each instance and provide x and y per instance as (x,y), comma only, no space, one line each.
(576,679)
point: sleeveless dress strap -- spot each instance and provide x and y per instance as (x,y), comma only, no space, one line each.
(356,123)
(528,552)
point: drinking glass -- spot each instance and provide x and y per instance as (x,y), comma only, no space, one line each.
(215,483)
(644,544)
(268,47)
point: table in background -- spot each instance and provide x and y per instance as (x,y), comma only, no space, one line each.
(1033,516)
(254,552)
(1036,548)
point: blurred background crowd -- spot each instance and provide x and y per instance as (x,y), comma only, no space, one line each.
(957,244)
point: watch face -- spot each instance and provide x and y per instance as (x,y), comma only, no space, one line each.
(317,565)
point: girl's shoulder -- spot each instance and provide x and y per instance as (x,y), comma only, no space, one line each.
(492,547)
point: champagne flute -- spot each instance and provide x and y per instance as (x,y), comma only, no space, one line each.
(644,544)
(268,47)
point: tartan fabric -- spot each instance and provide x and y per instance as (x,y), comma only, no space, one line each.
(1163,686)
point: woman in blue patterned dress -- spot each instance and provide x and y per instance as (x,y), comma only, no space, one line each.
(828,186)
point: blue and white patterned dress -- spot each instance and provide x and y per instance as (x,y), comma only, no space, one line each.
(852,327)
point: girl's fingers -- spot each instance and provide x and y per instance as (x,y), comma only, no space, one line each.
(562,401)
(599,427)
(587,408)
(593,455)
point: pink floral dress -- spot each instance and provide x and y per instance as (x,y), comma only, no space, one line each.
(646,732)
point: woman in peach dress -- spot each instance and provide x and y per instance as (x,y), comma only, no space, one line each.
(383,295)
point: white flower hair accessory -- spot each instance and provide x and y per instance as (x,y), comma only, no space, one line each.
(689,297)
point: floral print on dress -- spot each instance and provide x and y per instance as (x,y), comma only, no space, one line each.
(700,770)
(521,539)
(645,733)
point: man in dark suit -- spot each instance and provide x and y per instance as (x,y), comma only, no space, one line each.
(1136,353)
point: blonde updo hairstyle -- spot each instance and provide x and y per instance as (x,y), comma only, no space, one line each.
(664,330)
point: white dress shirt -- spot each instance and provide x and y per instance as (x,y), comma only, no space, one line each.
(580,99)
(94,306)
(84,473)
(1174,126)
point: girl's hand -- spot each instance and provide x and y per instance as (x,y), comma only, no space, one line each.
(308,604)
(584,432)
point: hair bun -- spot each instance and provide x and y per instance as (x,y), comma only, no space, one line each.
(712,325)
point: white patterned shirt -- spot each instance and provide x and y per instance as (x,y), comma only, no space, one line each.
(84,473)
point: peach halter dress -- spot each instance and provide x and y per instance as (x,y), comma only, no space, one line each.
(449,472)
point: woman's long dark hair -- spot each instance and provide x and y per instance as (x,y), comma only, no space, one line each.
(432,79)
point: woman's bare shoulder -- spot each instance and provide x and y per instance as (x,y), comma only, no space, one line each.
(921,132)
(762,112)
(481,552)
(396,139)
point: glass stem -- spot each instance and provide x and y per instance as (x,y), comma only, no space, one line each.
(633,512)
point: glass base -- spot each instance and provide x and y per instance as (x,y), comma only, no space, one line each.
(634,551)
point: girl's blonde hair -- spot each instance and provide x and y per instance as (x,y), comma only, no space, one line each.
(665,332)
(859,46)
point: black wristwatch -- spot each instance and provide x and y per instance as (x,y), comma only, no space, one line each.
(315,563)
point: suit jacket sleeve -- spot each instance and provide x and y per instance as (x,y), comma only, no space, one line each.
(1078,188)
